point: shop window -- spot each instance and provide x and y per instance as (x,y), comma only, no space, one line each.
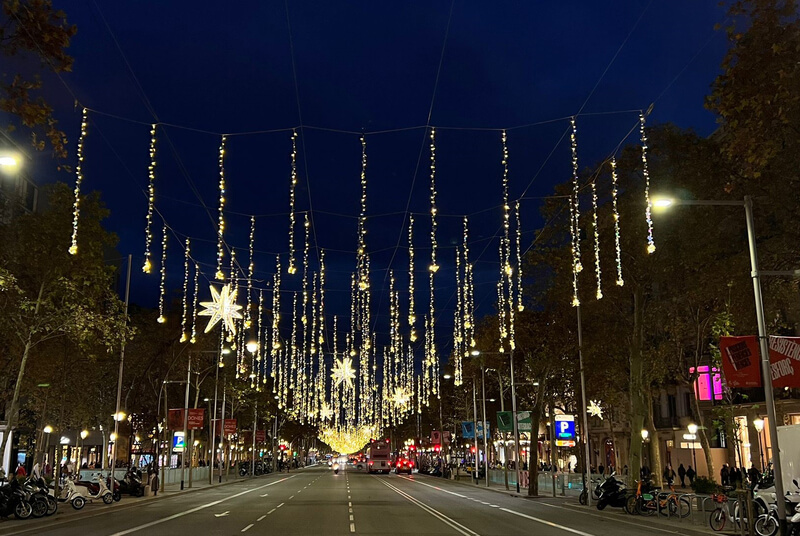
(708,385)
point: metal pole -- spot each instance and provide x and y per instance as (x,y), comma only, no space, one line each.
(222,431)
(255,425)
(516,424)
(213,417)
(186,421)
(475,429)
(766,373)
(168,457)
(119,379)
(505,435)
(585,420)
(485,431)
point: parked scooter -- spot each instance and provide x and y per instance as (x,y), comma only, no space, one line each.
(70,493)
(37,494)
(767,508)
(612,493)
(93,491)
(12,501)
(131,483)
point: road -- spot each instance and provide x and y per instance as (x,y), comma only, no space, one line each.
(314,501)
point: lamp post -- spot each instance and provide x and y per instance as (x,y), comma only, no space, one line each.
(645,435)
(693,433)
(766,374)
(47,431)
(759,425)
(83,435)
(121,368)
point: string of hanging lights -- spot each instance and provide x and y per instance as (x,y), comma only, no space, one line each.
(617,247)
(651,243)
(596,229)
(162,288)
(221,217)
(185,315)
(293,184)
(76,204)
(151,197)
(574,212)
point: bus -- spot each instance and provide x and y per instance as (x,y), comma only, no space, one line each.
(379,457)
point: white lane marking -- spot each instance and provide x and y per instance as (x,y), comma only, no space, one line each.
(435,513)
(434,487)
(349,504)
(248,527)
(615,519)
(352,527)
(266,494)
(193,510)
(351,517)
(261,518)
(268,513)
(548,523)
(349,510)
(280,505)
(290,498)
(223,514)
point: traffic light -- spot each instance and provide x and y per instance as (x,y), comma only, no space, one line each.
(472,450)
(437,448)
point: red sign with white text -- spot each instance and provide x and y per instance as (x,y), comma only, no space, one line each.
(784,359)
(740,359)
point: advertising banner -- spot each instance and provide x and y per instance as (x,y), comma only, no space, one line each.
(467,430)
(740,358)
(229,426)
(436,437)
(524,421)
(504,421)
(195,422)
(784,358)
(261,436)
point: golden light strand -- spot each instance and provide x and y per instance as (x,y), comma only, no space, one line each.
(412,315)
(185,316)
(504,299)
(151,197)
(221,222)
(303,348)
(321,373)
(195,292)
(261,378)
(433,268)
(163,285)
(651,243)
(520,305)
(458,327)
(620,280)
(292,268)
(363,277)
(250,268)
(574,212)
(76,209)
(596,229)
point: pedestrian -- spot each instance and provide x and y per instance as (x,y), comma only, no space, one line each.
(153,478)
(601,469)
(690,474)
(625,469)
(682,475)
(36,472)
(736,478)
(752,475)
(669,474)
(724,475)
(21,470)
(644,472)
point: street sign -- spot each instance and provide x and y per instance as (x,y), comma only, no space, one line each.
(196,419)
(178,442)
(436,437)
(504,421)
(480,428)
(229,426)
(261,436)
(565,430)
(524,421)
(446,437)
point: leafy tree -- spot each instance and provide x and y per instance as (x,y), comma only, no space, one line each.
(32,28)
(46,294)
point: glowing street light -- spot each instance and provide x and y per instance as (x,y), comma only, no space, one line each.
(252,346)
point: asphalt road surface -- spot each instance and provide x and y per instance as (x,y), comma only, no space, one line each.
(316,502)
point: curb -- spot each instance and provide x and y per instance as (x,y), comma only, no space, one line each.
(501,491)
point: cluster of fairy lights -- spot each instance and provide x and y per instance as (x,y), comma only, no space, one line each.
(151,197)
(574,212)
(163,285)
(617,247)
(221,218)
(362,389)
(76,204)
(292,187)
(651,243)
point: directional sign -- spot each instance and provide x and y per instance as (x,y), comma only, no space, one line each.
(504,421)
(565,430)
(524,421)
(468,429)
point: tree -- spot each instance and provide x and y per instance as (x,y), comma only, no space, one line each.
(46,294)
(34,28)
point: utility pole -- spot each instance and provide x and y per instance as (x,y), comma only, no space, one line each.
(255,425)
(485,425)
(119,379)
(516,424)
(186,420)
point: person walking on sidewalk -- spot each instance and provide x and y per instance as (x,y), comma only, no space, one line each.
(682,475)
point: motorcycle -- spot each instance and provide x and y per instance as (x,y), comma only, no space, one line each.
(336,468)
(131,483)
(71,494)
(36,493)
(766,508)
(12,500)
(612,493)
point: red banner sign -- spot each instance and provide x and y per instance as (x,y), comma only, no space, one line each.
(196,419)
(229,426)
(784,359)
(740,359)
(261,436)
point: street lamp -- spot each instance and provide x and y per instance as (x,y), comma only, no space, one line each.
(766,373)
(693,438)
(759,425)
(47,430)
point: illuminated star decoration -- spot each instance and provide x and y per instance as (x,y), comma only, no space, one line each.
(400,397)
(343,372)
(325,412)
(223,307)
(594,409)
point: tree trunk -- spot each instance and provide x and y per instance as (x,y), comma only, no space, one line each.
(638,394)
(11,421)
(655,449)
(533,459)
(701,429)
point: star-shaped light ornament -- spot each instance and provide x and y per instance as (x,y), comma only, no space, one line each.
(594,409)
(325,412)
(400,397)
(223,307)
(343,372)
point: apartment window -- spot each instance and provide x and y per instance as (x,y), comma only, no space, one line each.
(708,385)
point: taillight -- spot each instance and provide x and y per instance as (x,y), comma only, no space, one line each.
(371,463)
(412,464)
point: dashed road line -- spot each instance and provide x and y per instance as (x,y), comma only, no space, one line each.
(262,517)
(248,527)
(280,505)
(268,513)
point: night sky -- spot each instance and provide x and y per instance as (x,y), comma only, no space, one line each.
(204,68)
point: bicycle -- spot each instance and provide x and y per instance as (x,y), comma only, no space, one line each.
(722,513)
(670,505)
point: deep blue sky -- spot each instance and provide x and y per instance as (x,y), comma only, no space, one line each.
(366,66)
